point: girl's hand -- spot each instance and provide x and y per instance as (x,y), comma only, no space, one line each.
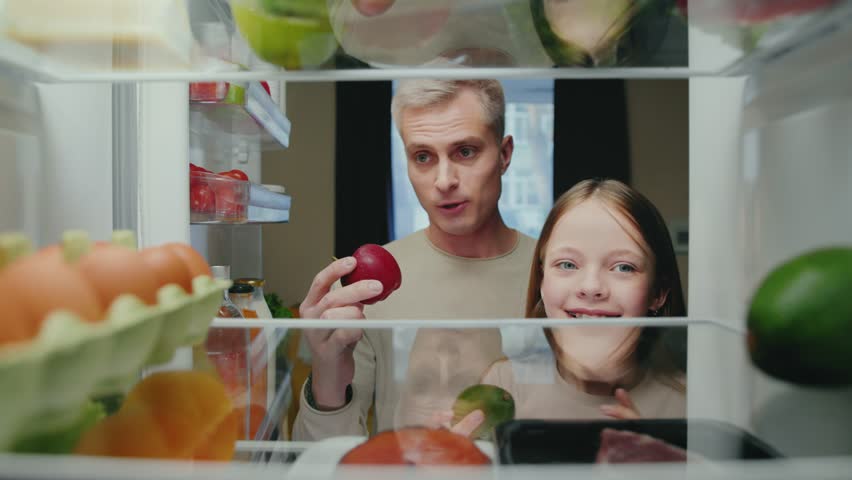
(466,425)
(624,410)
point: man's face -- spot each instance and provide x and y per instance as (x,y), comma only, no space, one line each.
(455,163)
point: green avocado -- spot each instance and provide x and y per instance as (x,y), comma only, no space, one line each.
(497,405)
(800,320)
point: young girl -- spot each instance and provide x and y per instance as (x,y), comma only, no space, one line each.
(604,251)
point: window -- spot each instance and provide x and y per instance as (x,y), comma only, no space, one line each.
(527,184)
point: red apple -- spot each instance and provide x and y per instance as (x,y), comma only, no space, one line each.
(375,263)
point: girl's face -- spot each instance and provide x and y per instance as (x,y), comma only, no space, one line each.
(594,267)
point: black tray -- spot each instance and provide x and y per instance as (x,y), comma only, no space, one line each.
(543,441)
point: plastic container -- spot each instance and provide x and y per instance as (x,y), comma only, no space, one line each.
(480,33)
(555,442)
(217,199)
(104,34)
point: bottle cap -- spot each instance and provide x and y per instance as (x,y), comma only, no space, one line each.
(254,282)
(241,288)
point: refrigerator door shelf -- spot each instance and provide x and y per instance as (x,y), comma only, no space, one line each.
(256,216)
(246,115)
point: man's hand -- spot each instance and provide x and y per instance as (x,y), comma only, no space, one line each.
(332,365)
(624,410)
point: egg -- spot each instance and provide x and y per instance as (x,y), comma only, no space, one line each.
(44,282)
(16,324)
(191,258)
(168,267)
(113,270)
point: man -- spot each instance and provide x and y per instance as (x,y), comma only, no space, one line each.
(467,264)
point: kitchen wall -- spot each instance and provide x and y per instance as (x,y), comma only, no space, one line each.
(658,113)
(293,253)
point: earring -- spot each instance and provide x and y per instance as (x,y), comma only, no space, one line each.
(654,313)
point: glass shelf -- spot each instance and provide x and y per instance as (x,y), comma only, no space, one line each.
(90,468)
(250,221)
(166,40)
(721,384)
(723,390)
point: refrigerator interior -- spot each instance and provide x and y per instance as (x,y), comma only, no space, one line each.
(95,147)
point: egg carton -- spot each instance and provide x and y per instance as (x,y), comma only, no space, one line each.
(44,383)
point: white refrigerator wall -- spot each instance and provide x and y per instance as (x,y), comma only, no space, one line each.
(770,178)
(56,146)
(77,160)
(56,159)
(20,158)
(795,196)
(718,384)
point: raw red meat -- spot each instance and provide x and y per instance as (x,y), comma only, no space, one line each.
(621,446)
(416,446)
(750,11)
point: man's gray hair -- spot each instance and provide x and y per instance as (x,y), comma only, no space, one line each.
(427,92)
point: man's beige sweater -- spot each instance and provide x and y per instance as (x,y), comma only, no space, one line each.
(414,373)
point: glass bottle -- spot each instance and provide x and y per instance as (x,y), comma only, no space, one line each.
(228,352)
(258,301)
(277,363)
(257,394)
(242,294)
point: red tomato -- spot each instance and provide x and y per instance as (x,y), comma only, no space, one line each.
(195,176)
(235,174)
(201,198)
